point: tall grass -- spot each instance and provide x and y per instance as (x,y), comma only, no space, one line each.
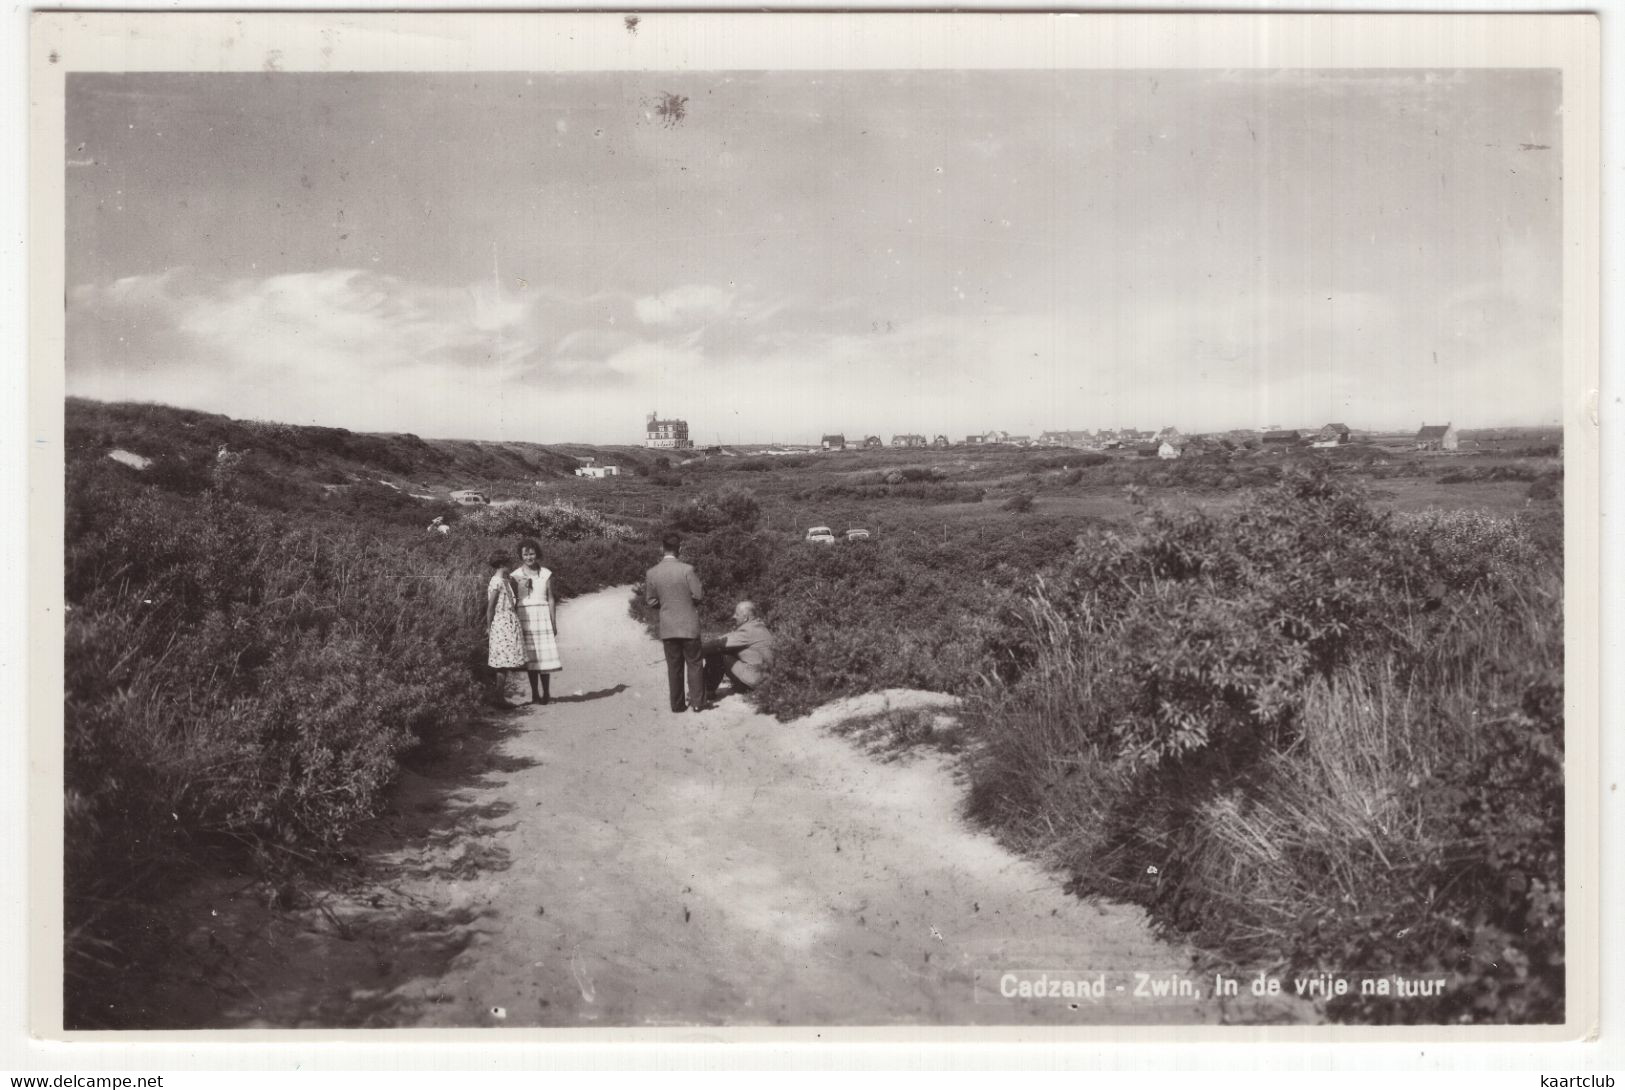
(1310,734)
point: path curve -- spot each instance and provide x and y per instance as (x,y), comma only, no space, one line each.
(609,863)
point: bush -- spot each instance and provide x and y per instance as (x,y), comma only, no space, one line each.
(1548,486)
(903,611)
(558,520)
(945,492)
(850,620)
(225,674)
(909,475)
(1474,474)
(372,502)
(734,566)
(1020,503)
(239,682)
(729,506)
(768,463)
(1297,731)
(177,474)
(1069,459)
(1462,548)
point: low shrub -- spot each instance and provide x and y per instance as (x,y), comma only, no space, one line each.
(558,520)
(1475,474)
(1218,472)
(292,665)
(765,463)
(728,506)
(1547,486)
(1297,732)
(901,611)
(1463,548)
(908,475)
(1069,459)
(240,686)
(945,492)
(1538,450)
(176,473)
(851,620)
(371,502)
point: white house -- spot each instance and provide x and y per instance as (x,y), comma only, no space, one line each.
(1437,437)
(1332,435)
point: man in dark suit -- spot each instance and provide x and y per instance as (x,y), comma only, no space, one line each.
(673,588)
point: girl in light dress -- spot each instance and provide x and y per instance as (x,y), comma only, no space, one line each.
(504,633)
(538,619)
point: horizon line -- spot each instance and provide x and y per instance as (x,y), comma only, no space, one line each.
(814,442)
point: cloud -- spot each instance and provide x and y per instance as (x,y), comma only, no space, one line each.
(593,343)
(373,352)
(334,345)
(689,303)
(344,319)
(363,350)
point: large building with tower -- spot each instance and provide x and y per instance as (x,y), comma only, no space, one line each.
(667,434)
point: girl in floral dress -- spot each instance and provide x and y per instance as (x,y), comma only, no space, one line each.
(503,632)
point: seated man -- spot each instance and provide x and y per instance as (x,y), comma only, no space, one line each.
(745,655)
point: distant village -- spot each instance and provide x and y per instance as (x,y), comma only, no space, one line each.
(1167,443)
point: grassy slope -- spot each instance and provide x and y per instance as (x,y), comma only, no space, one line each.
(316,456)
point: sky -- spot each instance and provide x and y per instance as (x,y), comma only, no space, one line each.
(775,255)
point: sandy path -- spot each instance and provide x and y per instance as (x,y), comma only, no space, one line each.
(610,863)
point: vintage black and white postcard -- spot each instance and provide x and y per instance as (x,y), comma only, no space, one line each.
(875,525)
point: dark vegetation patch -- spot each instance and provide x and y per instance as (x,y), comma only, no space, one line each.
(932,492)
(899,732)
(1471,473)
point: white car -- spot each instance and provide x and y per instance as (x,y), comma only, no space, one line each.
(821,535)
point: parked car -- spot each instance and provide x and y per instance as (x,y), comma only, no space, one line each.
(856,534)
(821,535)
